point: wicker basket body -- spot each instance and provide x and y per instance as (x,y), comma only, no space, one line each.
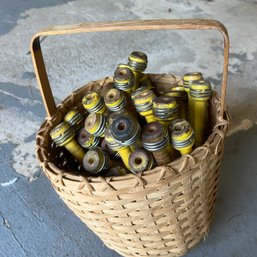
(163,212)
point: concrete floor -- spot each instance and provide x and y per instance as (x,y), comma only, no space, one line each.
(33,220)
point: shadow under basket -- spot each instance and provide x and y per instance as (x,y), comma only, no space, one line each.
(161,212)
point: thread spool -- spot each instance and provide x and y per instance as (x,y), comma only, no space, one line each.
(63,135)
(126,131)
(124,151)
(182,136)
(87,140)
(124,79)
(74,118)
(115,100)
(156,140)
(179,93)
(143,103)
(200,93)
(188,79)
(94,103)
(138,63)
(165,109)
(140,160)
(96,161)
(139,91)
(95,124)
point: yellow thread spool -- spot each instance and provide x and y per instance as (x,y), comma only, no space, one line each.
(188,78)
(165,109)
(63,135)
(155,139)
(139,91)
(94,103)
(200,92)
(182,136)
(87,140)
(124,151)
(115,100)
(96,161)
(74,118)
(123,65)
(124,79)
(181,97)
(126,131)
(143,103)
(140,160)
(138,63)
(95,124)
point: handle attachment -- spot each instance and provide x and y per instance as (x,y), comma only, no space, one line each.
(169,24)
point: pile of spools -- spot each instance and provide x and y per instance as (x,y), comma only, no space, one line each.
(134,128)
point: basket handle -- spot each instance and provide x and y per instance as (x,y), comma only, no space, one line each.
(169,24)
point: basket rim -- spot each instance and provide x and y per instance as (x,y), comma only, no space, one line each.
(173,169)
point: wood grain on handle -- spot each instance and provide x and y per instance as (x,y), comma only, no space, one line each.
(184,24)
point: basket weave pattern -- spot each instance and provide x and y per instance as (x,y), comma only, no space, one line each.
(163,212)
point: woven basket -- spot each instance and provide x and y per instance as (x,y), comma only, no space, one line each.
(164,211)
